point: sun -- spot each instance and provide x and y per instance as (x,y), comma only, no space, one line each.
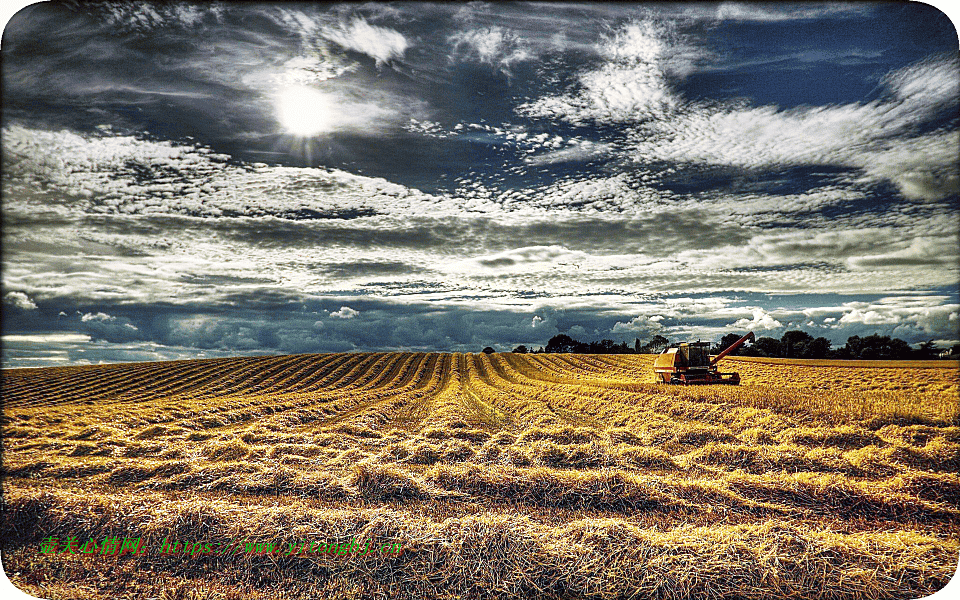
(303,111)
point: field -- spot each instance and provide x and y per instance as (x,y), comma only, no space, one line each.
(500,475)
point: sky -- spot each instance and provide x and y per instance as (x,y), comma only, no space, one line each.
(217,179)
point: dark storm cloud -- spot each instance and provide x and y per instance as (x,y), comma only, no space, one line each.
(305,327)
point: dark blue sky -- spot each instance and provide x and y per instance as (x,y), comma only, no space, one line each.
(205,179)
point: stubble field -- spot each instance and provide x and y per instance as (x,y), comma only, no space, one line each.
(499,476)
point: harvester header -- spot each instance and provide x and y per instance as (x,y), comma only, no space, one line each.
(690,363)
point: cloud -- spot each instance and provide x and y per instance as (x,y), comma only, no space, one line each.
(527,259)
(799,257)
(103,326)
(581,152)
(762,320)
(936,319)
(490,45)
(931,85)
(630,87)
(640,324)
(869,317)
(45,338)
(112,174)
(911,315)
(145,17)
(922,168)
(97,317)
(345,312)
(19,300)
(877,138)
(922,251)
(741,11)
(381,43)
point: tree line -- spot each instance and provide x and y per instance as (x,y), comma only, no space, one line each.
(562,343)
(792,344)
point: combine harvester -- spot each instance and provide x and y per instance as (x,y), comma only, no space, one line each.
(690,364)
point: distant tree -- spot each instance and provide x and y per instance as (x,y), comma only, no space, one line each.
(766,346)
(564,343)
(818,348)
(852,348)
(871,347)
(794,344)
(521,349)
(899,349)
(727,341)
(636,346)
(488,350)
(656,345)
(561,343)
(605,347)
(601,347)
(927,350)
(876,347)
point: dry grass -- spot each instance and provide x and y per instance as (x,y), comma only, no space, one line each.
(501,475)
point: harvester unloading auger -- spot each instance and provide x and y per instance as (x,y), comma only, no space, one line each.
(690,364)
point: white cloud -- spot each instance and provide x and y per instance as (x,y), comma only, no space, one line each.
(124,175)
(491,45)
(921,313)
(574,153)
(931,83)
(868,317)
(743,11)
(20,300)
(96,317)
(684,307)
(145,17)
(762,320)
(863,136)
(381,43)
(879,137)
(45,338)
(936,319)
(640,324)
(345,312)
(630,87)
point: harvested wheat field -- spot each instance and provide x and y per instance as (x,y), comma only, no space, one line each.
(500,475)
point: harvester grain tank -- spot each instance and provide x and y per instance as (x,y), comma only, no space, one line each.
(690,363)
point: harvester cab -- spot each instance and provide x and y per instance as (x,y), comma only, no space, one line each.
(690,363)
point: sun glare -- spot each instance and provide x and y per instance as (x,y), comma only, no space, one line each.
(303,111)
